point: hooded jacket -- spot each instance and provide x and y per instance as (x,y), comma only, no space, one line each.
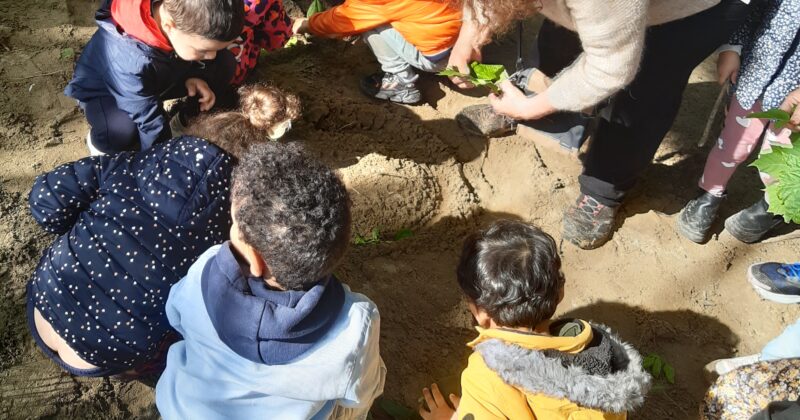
(129,226)
(590,374)
(120,65)
(252,352)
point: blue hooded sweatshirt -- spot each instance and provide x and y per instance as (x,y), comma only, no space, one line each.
(252,352)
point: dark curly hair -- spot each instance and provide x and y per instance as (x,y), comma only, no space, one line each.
(498,15)
(220,20)
(512,271)
(293,210)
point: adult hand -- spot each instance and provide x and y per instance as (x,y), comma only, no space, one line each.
(199,87)
(438,409)
(728,64)
(513,103)
(792,105)
(466,50)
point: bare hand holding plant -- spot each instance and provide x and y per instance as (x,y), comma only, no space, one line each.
(199,87)
(438,408)
(792,105)
(728,64)
(513,103)
(300,26)
(466,50)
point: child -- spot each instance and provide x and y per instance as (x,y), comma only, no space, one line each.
(142,54)
(769,77)
(130,226)
(269,332)
(403,35)
(267,26)
(526,365)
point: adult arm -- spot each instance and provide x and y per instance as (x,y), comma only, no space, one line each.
(467,48)
(58,197)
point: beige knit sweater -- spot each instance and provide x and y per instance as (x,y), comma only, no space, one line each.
(612,35)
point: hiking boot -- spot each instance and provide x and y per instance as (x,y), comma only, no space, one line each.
(752,223)
(776,282)
(389,87)
(697,216)
(589,223)
(481,120)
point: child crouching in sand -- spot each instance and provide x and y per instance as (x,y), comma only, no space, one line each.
(130,226)
(269,332)
(403,35)
(527,365)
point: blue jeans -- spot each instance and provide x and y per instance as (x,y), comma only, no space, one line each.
(398,56)
(784,346)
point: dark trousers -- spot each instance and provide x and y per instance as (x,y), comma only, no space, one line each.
(113,130)
(636,119)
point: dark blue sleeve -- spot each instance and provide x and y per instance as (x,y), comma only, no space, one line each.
(755,20)
(59,196)
(136,95)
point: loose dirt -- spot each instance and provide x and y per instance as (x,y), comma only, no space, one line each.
(406,168)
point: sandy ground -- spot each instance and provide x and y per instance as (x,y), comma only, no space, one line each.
(406,168)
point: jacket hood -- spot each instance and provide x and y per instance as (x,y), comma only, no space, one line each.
(135,18)
(263,325)
(607,375)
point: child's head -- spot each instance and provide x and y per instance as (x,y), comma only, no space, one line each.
(264,111)
(197,29)
(291,215)
(511,275)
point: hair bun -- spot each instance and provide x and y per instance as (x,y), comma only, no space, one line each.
(265,106)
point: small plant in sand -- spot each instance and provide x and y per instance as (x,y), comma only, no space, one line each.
(658,368)
(782,165)
(489,75)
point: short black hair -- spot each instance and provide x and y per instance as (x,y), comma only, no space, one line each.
(220,20)
(512,271)
(293,210)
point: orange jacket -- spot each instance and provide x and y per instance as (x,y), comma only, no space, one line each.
(430,25)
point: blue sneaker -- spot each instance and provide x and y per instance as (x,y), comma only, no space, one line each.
(776,282)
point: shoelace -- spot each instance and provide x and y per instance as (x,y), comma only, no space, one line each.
(792,270)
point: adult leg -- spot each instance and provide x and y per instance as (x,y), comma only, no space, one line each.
(637,119)
(112,130)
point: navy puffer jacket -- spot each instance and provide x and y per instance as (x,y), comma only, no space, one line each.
(131,225)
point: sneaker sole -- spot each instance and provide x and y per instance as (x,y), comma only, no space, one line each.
(766,294)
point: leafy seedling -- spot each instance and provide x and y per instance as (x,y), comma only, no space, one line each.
(403,234)
(67,53)
(316,6)
(292,42)
(782,164)
(488,75)
(658,367)
(373,237)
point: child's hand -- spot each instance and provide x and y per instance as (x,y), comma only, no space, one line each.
(300,26)
(438,409)
(728,64)
(195,86)
(792,105)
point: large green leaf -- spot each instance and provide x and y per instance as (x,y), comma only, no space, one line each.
(488,72)
(771,163)
(316,6)
(773,114)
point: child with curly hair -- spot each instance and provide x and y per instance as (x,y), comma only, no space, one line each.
(129,227)
(269,331)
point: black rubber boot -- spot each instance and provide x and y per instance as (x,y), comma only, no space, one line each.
(589,223)
(752,223)
(697,216)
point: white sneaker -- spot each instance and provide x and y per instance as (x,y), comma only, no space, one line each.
(720,367)
(93,151)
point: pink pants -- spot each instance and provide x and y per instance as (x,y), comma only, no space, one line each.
(739,137)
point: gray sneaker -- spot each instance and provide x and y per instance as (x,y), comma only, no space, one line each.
(389,87)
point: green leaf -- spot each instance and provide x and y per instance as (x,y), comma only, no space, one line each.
(452,72)
(67,53)
(402,234)
(647,363)
(316,6)
(773,114)
(292,42)
(771,163)
(657,365)
(669,373)
(488,72)
(395,410)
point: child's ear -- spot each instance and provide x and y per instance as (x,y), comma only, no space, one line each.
(258,267)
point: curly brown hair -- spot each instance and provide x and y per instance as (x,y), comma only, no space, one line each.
(262,107)
(498,15)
